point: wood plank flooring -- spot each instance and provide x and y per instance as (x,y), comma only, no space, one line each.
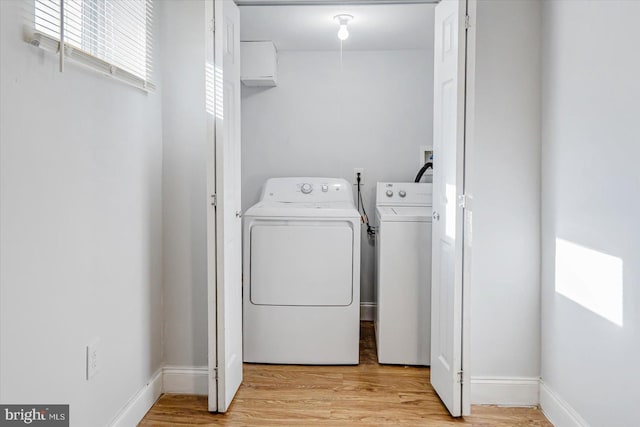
(368,395)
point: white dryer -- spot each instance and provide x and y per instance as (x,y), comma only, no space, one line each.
(301,287)
(403,273)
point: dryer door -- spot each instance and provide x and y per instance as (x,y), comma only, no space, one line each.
(302,263)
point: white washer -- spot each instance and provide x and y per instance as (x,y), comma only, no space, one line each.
(403,273)
(301,288)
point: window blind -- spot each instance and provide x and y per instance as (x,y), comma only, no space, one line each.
(111,36)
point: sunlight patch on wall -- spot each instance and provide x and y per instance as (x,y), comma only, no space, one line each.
(214,96)
(219,91)
(210,89)
(591,279)
(450,208)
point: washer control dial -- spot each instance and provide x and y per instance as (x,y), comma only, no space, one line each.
(402,193)
(389,193)
(306,188)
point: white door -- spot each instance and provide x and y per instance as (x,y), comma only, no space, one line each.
(448,141)
(224,236)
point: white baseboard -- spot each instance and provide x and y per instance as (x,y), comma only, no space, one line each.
(185,380)
(170,379)
(505,391)
(557,410)
(367,311)
(140,403)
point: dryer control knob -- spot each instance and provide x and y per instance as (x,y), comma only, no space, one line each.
(306,188)
(402,193)
(389,193)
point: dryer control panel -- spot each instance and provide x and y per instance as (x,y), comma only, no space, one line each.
(307,190)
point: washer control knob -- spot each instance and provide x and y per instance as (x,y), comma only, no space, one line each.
(325,188)
(306,188)
(389,193)
(402,193)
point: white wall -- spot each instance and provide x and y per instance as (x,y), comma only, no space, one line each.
(322,120)
(505,283)
(184,184)
(591,179)
(80,214)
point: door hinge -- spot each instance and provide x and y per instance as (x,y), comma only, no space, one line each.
(214,200)
(460,377)
(467,22)
(462,201)
(212,25)
(214,374)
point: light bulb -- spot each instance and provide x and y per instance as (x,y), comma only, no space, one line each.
(343,20)
(343,33)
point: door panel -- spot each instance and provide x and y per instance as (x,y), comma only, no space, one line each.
(212,261)
(228,230)
(448,141)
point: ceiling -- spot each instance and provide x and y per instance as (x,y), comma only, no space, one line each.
(311,27)
(339,2)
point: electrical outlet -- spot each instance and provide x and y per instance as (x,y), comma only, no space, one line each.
(357,171)
(426,155)
(93,358)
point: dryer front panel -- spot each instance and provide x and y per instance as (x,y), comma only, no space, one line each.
(301,263)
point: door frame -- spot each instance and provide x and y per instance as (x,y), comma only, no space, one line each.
(212,234)
(466,212)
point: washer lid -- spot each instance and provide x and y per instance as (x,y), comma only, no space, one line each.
(405,213)
(323,210)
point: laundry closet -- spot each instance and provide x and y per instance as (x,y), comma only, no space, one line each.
(331,94)
(329,122)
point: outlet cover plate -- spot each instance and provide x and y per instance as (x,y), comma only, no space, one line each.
(355,176)
(93,358)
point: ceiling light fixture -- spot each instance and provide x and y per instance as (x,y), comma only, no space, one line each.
(343,20)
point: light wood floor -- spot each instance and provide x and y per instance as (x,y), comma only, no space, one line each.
(368,394)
